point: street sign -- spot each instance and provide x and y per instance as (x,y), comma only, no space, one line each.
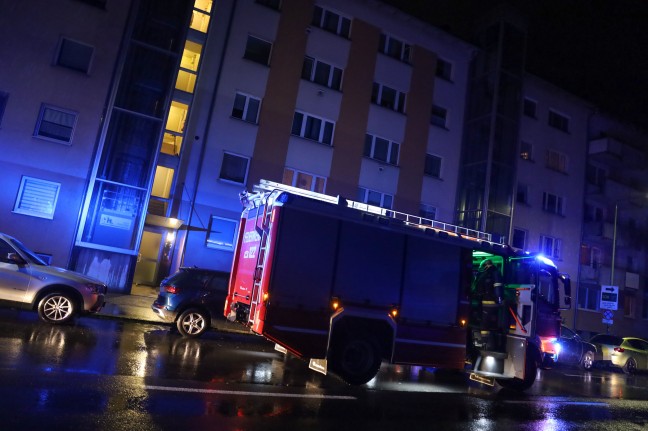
(609,298)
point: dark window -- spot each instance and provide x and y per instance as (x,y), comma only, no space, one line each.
(331,21)
(74,55)
(234,168)
(444,69)
(4,97)
(439,116)
(432,166)
(257,50)
(558,121)
(529,108)
(96,3)
(273,4)
(519,238)
(246,108)
(55,124)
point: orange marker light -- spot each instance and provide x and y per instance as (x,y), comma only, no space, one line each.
(265,296)
(335,304)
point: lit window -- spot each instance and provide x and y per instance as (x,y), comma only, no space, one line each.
(246,108)
(432,166)
(257,50)
(37,197)
(74,55)
(304,180)
(313,128)
(388,97)
(55,124)
(234,168)
(381,149)
(526,151)
(221,233)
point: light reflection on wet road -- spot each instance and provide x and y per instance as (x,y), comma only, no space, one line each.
(114,374)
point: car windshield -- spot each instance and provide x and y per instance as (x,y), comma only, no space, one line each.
(27,253)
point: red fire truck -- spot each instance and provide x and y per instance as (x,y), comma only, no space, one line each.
(346,286)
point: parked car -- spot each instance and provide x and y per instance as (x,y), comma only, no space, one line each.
(628,353)
(59,295)
(569,349)
(192,299)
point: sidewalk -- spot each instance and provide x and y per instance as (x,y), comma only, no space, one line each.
(137,306)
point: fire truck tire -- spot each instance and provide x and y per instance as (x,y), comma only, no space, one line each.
(530,371)
(193,322)
(356,358)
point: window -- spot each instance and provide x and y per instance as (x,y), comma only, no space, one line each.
(221,233)
(375,198)
(246,108)
(4,97)
(630,307)
(234,168)
(529,108)
(593,213)
(556,161)
(439,116)
(97,3)
(522,195)
(257,50)
(552,203)
(313,128)
(551,247)
(388,97)
(589,296)
(322,73)
(304,180)
(443,69)
(272,4)
(428,211)
(432,166)
(519,238)
(331,21)
(595,175)
(37,197)
(558,121)
(74,55)
(526,151)
(395,48)
(381,149)
(55,124)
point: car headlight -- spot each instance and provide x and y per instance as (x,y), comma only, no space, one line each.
(95,288)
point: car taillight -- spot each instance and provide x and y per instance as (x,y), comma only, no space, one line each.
(169,288)
(619,349)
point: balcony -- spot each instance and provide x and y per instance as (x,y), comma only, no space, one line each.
(616,153)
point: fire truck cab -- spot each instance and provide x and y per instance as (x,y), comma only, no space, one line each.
(347,286)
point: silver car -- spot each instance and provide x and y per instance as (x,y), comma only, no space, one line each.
(628,353)
(56,293)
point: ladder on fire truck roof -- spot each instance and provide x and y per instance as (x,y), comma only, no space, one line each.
(266,186)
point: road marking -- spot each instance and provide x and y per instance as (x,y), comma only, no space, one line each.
(249,393)
(573,403)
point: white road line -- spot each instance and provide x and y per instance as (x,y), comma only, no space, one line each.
(249,393)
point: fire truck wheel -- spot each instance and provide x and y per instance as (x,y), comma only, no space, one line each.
(356,358)
(530,371)
(192,322)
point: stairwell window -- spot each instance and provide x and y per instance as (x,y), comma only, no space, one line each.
(313,128)
(246,108)
(322,73)
(221,233)
(234,168)
(381,149)
(37,197)
(375,198)
(552,203)
(388,97)
(331,21)
(395,48)
(257,50)
(551,247)
(55,124)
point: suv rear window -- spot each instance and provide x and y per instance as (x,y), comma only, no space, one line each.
(607,339)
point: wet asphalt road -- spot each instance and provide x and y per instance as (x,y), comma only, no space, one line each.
(111,374)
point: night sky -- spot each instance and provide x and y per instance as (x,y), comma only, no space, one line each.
(595,49)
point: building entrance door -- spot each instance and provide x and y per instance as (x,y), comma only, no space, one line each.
(148,258)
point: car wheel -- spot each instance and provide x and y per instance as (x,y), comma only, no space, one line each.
(588,360)
(630,366)
(192,323)
(56,308)
(356,358)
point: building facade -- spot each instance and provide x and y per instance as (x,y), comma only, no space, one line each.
(129,128)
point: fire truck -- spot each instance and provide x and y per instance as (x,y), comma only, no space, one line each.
(348,286)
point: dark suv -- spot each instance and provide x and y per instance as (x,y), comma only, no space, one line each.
(192,298)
